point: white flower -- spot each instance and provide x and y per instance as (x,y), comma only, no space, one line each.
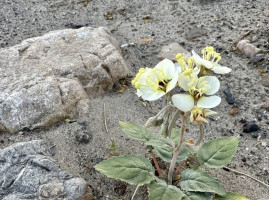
(198,115)
(210,61)
(151,84)
(197,88)
(187,69)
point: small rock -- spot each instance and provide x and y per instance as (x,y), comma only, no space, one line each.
(170,51)
(75,188)
(219,49)
(255,135)
(265,80)
(251,126)
(196,32)
(266,12)
(234,111)
(82,137)
(248,49)
(264,144)
(228,96)
(244,159)
(51,190)
(255,59)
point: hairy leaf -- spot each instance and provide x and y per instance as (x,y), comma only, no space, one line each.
(199,181)
(161,143)
(196,196)
(217,153)
(166,154)
(135,170)
(231,196)
(161,191)
(136,132)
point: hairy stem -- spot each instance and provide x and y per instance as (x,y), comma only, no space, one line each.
(201,135)
(168,96)
(156,162)
(176,151)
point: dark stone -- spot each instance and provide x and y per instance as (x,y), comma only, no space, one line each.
(255,59)
(255,134)
(219,49)
(244,159)
(228,96)
(82,137)
(249,127)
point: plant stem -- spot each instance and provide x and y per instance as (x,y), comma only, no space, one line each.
(173,121)
(156,162)
(168,95)
(201,135)
(179,166)
(135,192)
(176,151)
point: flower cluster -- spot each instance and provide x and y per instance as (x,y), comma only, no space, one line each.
(190,74)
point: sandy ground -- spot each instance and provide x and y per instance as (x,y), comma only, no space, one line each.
(169,21)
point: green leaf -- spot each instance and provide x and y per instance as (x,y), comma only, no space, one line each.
(136,132)
(165,154)
(161,143)
(161,191)
(199,181)
(135,170)
(196,196)
(217,153)
(231,196)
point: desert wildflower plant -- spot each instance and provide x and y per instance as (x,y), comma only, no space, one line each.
(185,176)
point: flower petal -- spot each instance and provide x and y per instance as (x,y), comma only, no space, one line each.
(168,68)
(139,93)
(214,84)
(151,95)
(172,84)
(209,102)
(201,61)
(177,68)
(208,112)
(218,69)
(183,102)
(183,80)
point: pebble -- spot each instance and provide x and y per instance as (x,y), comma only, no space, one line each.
(234,111)
(228,96)
(251,126)
(82,137)
(196,32)
(266,12)
(170,51)
(255,59)
(219,49)
(255,134)
(265,80)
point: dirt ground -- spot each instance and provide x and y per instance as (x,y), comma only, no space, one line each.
(164,21)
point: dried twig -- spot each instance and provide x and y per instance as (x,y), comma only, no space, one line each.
(236,40)
(242,173)
(105,118)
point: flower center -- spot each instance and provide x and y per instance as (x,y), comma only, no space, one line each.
(198,116)
(199,88)
(157,80)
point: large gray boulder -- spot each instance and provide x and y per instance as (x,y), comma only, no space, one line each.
(27,173)
(47,78)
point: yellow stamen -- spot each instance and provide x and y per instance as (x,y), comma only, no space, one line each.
(181,61)
(210,55)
